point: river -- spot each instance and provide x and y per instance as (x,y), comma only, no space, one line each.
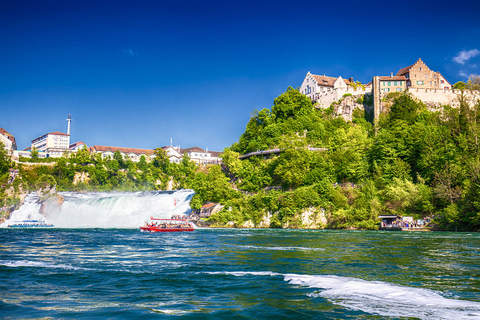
(100,273)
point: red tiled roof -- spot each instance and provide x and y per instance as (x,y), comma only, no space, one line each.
(58,133)
(327,81)
(208,205)
(393,78)
(404,71)
(96,148)
(79,143)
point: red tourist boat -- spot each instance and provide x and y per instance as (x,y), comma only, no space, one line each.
(167,225)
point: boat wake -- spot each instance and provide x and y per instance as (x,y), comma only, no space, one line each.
(377,297)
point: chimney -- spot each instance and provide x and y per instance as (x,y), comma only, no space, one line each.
(391,74)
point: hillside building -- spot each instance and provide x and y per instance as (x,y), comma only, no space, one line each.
(74,147)
(201,156)
(173,154)
(54,144)
(420,76)
(133,154)
(324,90)
(426,85)
(8,141)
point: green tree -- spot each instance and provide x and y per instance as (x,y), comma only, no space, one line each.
(162,161)
(460,85)
(34,154)
(4,159)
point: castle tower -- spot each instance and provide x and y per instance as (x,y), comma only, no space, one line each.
(377,107)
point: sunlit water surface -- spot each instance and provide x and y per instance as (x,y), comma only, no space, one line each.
(238,274)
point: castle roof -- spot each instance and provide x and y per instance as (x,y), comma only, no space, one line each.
(404,71)
(327,81)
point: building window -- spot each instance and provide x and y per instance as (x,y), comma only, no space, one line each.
(420,82)
(430,82)
(420,68)
(399,89)
(389,83)
(441,81)
(394,83)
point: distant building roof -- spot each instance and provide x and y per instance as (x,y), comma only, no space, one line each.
(96,148)
(76,144)
(393,78)
(10,137)
(58,133)
(192,149)
(327,81)
(200,150)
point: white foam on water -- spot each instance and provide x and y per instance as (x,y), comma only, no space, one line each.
(242,273)
(377,297)
(386,299)
(36,264)
(106,209)
(283,248)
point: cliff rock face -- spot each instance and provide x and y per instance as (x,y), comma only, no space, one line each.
(81,177)
(311,218)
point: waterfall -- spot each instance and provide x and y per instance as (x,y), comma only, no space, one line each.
(106,209)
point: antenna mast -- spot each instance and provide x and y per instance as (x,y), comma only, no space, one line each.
(69,120)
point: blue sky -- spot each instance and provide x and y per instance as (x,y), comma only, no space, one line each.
(137,73)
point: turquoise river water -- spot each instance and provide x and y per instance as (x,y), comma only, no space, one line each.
(238,274)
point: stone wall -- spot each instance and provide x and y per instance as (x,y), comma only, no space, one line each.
(325,99)
(439,97)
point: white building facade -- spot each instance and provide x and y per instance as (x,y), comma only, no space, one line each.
(54,144)
(324,90)
(200,156)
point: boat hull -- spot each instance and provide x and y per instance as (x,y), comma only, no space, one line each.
(156,229)
(32,226)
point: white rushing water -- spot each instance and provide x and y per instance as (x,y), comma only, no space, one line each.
(386,299)
(378,297)
(106,209)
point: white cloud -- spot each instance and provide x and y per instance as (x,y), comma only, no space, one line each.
(129,52)
(462,74)
(465,55)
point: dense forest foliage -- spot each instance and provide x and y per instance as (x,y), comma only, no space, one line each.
(415,161)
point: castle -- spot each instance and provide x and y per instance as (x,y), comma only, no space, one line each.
(419,80)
